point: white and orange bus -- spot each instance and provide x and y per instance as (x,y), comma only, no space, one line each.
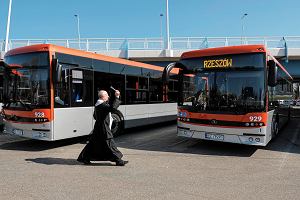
(50,92)
(232,94)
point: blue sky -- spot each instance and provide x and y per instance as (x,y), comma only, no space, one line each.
(141,18)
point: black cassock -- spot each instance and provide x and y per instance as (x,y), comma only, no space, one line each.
(101,146)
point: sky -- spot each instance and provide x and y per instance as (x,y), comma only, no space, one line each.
(54,19)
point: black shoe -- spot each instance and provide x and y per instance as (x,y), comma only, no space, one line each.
(121,163)
(86,162)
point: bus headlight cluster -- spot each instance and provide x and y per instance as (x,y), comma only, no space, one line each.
(254,124)
(182,114)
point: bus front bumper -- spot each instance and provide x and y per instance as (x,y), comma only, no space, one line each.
(249,136)
(36,131)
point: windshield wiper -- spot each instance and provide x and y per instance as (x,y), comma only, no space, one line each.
(23,104)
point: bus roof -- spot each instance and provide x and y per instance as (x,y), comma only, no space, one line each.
(224,51)
(75,52)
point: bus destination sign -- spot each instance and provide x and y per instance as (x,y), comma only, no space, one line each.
(217,63)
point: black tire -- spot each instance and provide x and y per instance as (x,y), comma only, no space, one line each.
(118,123)
(1,127)
(275,127)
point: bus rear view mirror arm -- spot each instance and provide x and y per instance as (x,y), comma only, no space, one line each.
(57,69)
(168,69)
(58,72)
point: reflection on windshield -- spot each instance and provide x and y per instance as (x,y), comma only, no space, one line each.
(235,91)
(29,87)
(28,84)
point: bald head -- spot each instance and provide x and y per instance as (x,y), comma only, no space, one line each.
(102,94)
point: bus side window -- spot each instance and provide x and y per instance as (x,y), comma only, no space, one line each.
(172,90)
(156,90)
(81,88)
(77,85)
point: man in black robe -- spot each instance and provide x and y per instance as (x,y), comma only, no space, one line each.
(101,146)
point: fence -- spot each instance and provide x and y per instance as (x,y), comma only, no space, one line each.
(176,43)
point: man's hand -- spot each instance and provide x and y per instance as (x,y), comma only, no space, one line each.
(117,93)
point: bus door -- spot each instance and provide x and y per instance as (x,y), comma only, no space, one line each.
(73,110)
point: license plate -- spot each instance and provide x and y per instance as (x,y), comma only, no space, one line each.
(18,132)
(212,136)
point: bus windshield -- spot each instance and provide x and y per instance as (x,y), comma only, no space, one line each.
(28,81)
(233,91)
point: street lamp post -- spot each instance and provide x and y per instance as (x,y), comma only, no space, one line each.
(8,26)
(161,34)
(243,27)
(78,30)
(167,24)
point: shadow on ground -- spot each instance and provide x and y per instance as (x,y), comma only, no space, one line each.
(63,161)
(288,139)
(164,139)
(37,145)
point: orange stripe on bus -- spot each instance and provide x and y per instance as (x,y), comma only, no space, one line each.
(29,114)
(227,117)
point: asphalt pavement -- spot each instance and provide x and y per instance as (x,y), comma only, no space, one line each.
(161,166)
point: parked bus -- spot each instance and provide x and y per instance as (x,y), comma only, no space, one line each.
(232,94)
(1,96)
(50,92)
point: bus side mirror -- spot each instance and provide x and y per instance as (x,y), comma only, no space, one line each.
(166,72)
(58,73)
(272,73)
(3,64)
(57,69)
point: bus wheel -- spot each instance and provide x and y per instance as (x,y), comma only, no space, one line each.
(275,128)
(117,124)
(289,114)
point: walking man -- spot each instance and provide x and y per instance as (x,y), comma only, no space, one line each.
(101,146)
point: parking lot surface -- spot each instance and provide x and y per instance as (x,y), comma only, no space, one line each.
(161,166)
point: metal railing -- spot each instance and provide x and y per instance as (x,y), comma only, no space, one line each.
(176,43)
